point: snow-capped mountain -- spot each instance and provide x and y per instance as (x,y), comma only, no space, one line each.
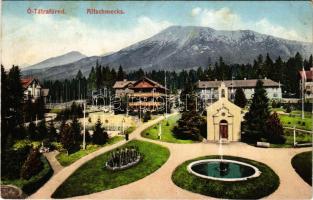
(179,47)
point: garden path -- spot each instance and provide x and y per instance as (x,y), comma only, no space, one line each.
(159,185)
(56,166)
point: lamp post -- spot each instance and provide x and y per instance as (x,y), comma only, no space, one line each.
(123,121)
(160,130)
(84,133)
(302,92)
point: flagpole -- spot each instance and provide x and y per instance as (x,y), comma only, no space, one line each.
(302,90)
(165,97)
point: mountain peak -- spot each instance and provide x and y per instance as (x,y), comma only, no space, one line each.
(66,58)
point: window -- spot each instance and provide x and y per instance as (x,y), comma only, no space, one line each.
(223,93)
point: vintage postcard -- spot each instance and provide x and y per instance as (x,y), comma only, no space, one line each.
(156,99)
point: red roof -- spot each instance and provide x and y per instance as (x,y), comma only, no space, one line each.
(308,75)
(26,81)
(147,83)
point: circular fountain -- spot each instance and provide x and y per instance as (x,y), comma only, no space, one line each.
(223,170)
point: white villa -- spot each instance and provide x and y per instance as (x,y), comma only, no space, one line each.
(33,89)
(208,90)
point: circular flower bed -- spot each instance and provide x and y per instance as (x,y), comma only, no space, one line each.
(253,188)
(123,158)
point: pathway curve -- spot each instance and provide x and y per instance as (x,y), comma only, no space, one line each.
(159,185)
(62,174)
(54,163)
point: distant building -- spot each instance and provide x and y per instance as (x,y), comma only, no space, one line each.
(122,88)
(33,89)
(144,94)
(306,83)
(209,89)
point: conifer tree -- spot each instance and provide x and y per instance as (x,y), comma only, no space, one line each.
(275,130)
(120,74)
(42,130)
(52,132)
(67,138)
(15,95)
(76,128)
(99,136)
(240,98)
(256,118)
(32,131)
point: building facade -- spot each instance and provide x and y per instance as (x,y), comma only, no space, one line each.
(144,94)
(306,84)
(33,89)
(208,90)
(223,118)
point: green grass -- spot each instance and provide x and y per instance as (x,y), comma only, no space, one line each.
(299,112)
(254,188)
(35,182)
(300,138)
(129,130)
(302,163)
(167,134)
(278,110)
(94,177)
(66,160)
(297,121)
(55,110)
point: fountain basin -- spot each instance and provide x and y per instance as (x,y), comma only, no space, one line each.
(223,170)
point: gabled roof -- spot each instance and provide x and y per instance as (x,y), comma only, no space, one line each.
(27,81)
(250,83)
(122,84)
(147,83)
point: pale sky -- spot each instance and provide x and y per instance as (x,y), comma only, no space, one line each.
(30,38)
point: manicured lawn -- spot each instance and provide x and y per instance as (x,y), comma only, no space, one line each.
(94,177)
(302,163)
(254,188)
(35,182)
(299,112)
(66,160)
(300,138)
(167,134)
(291,121)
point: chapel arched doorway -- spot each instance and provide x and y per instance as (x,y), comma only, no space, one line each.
(223,129)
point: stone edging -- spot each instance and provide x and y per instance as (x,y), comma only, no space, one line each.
(256,173)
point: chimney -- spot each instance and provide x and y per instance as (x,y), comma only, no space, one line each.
(311,68)
(125,80)
(245,78)
(215,79)
(265,78)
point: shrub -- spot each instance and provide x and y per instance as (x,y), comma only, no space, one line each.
(12,161)
(288,109)
(32,165)
(274,130)
(57,145)
(38,180)
(147,116)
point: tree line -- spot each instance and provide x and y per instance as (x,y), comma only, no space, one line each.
(285,72)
